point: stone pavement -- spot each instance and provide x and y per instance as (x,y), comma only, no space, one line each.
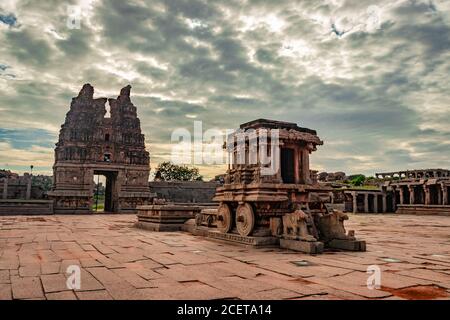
(119,261)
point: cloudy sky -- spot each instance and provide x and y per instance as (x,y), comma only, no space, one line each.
(372,77)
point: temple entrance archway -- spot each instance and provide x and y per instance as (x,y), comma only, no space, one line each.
(93,142)
(105,195)
(287,165)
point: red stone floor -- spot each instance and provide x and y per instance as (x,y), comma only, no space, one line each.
(119,261)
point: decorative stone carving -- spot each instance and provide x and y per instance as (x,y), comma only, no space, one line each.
(245,219)
(331,226)
(276,226)
(91,143)
(224,219)
(295,226)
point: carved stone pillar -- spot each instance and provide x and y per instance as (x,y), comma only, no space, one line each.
(28,196)
(411,195)
(394,199)
(439,194)
(427,195)
(375,203)
(402,198)
(355,202)
(444,194)
(305,166)
(298,163)
(384,201)
(366,202)
(5,189)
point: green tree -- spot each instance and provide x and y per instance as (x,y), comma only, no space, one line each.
(358,180)
(167,171)
(44,182)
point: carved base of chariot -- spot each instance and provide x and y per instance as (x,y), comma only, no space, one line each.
(244,240)
(309,226)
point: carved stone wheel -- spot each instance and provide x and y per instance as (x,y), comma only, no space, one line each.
(245,219)
(224,220)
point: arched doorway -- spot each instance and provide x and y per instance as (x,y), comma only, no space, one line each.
(105,198)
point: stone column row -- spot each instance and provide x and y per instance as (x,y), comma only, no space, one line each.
(442,195)
(366,202)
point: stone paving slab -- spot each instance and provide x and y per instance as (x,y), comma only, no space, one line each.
(118,261)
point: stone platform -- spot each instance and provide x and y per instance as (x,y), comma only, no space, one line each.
(302,246)
(351,245)
(119,261)
(25,207)
(421,209)
(250,241)
(166,217)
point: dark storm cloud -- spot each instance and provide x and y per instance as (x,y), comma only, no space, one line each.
(152,72)
(76,45)
(27,48)
(172,107)
(8,19)
(193,9)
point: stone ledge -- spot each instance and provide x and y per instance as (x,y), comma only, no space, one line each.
(350,245)
(26,207)
(159,227)
(31,201)
(302,246)
(420,209)
(168,207)
(252,241)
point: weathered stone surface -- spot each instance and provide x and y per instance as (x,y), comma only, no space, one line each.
(166,217)
(94,295)
(26,288)
(5,291)
(54,283)
(25,207)
(422,192)
(248,240)
(285,202)
(159,227)
(64,295)
(92,143)
(206,269)
(351,245)
(302,246)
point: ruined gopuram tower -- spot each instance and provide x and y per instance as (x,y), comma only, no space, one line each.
(91,143)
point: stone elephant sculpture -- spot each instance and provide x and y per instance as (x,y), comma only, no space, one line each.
(331,226)
(295,226)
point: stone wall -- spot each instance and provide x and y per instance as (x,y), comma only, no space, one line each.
(184,191)
(91,143)
(420,209)
(25,207)
(19,191)
(21,187)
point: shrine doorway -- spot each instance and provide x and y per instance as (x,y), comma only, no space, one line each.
(287,165)
(105,197)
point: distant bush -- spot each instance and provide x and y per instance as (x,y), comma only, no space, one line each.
(167,171)
(358,180)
